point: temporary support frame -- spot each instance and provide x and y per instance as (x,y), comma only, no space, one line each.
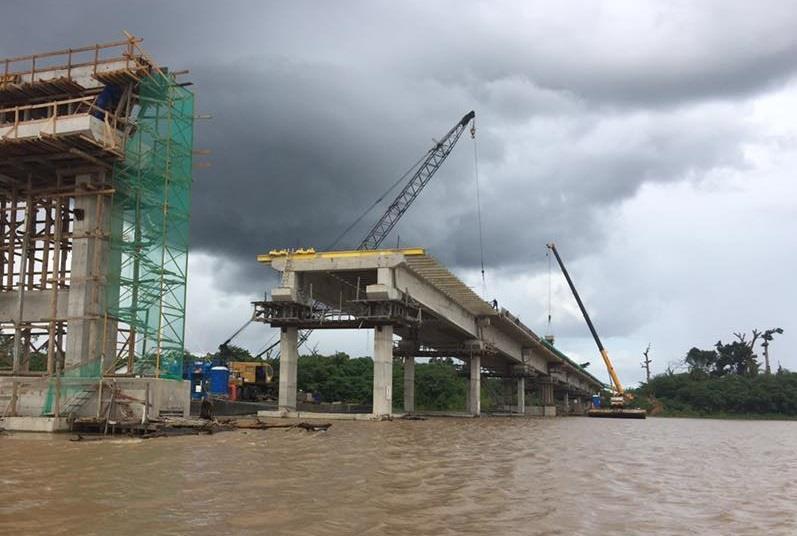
(130,179)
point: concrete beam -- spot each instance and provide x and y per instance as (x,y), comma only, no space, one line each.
(82,124)
(83,75)
(343,264)
(37,305)
(441,305)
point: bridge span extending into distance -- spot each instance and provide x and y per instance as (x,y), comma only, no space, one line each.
(408,294)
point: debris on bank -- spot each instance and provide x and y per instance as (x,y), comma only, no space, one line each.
(257,424)
(410,417)
(92,429)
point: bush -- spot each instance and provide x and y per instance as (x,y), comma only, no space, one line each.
(732,393)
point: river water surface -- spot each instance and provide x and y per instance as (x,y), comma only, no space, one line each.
(442,476)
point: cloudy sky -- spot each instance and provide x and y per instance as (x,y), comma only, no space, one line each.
(654,142)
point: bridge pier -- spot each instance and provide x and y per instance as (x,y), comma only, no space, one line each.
(545,386)
(289,357)
(474,392)
(521,395)
(409,384)
(578,407)
(546,393)
(383,371)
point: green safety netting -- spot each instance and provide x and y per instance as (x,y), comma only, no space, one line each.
(149,227)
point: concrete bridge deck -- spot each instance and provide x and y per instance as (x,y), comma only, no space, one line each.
(407,293)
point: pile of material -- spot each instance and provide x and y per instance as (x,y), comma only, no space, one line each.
(179,426)
(617,413)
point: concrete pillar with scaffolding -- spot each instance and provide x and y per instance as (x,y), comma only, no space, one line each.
(95,175)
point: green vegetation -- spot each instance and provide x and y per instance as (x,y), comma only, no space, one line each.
(38,360)
(337,377)
(725,381)
(439,385)
(688,394)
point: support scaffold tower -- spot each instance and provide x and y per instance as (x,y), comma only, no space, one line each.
(96,148)
(149,222)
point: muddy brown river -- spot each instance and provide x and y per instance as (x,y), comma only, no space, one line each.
(443,476)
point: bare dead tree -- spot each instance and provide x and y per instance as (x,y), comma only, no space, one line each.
(743,338)
(646,363)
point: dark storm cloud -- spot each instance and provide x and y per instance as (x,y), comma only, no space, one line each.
(318,107)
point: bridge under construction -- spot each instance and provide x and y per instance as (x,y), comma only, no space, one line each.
(96,147)
(408,294)
(96,150)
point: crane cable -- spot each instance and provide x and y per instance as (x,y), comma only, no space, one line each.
(265,348)
(548,330)
(478,204)
(375,203)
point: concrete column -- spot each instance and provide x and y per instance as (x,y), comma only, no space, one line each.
(467,397)
(521,395)
(508,388)
(289,357)
(567,403)
(383,371)
(409,384)
(546,393)
(474,398)
(86,327)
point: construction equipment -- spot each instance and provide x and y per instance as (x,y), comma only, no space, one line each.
(619,396)
(224,348)
(428,167)
(253,379)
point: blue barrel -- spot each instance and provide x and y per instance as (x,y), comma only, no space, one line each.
(219,380)
(596,401)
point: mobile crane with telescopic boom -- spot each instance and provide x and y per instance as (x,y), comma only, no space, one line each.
(619,395)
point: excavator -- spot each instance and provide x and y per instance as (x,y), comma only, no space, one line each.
(619,395)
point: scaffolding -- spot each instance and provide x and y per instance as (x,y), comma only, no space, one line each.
(149,238)
(96,149)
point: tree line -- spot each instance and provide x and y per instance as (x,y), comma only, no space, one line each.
(725,379)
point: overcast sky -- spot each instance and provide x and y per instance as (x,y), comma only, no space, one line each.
(654,142)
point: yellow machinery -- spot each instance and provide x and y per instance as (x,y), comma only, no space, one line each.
(252,378)
(619,396)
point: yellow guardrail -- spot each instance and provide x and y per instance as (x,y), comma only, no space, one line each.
(310,253)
